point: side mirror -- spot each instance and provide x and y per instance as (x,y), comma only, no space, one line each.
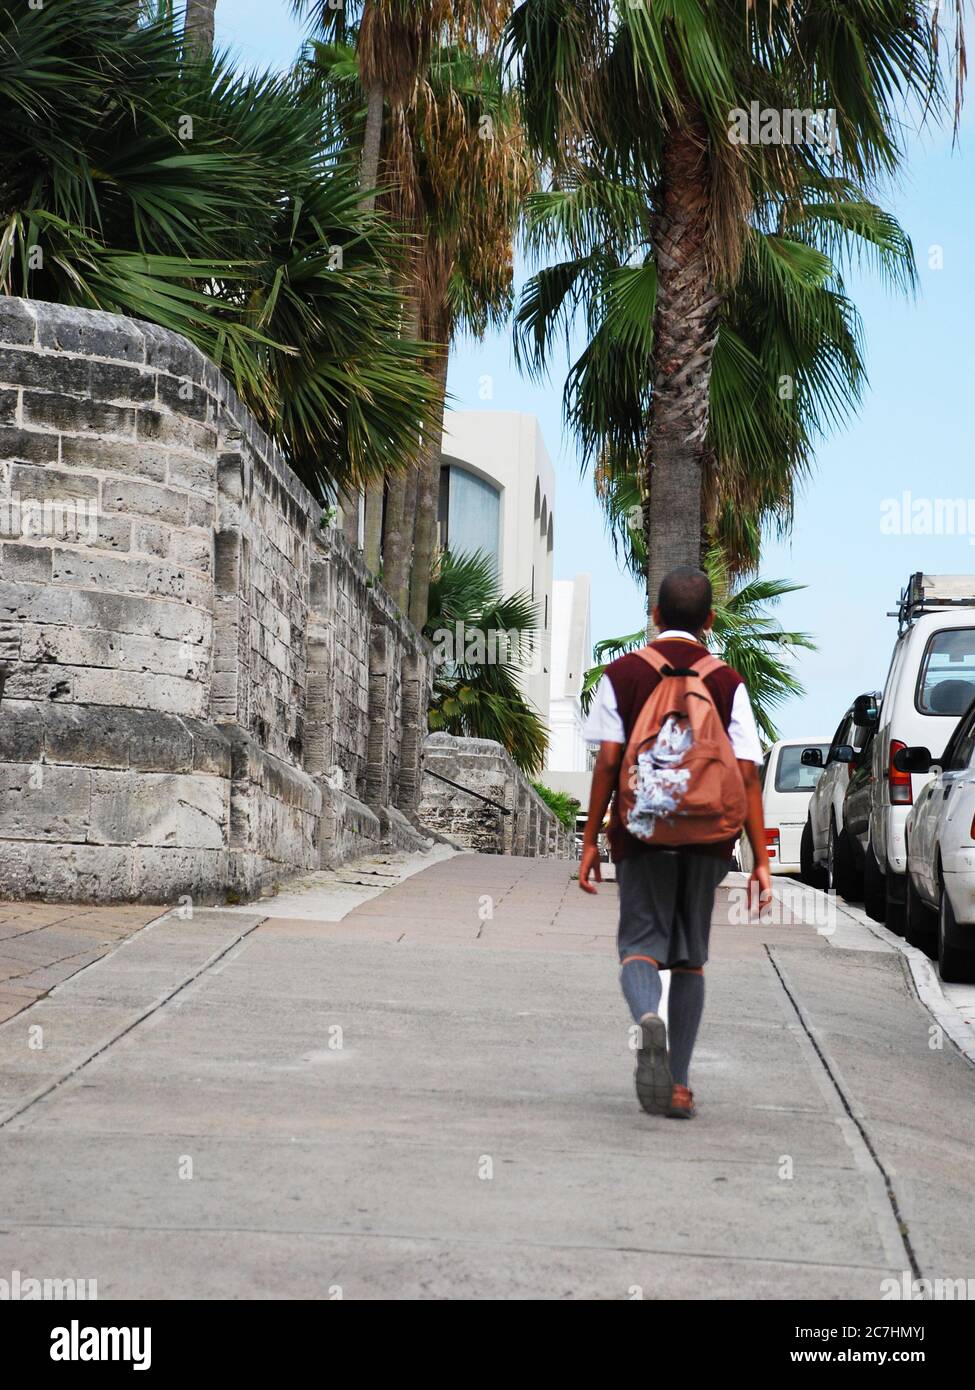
(811,757)
(913,760)
(844,754)
(866,712)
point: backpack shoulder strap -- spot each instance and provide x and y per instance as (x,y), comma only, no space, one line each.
(653,658)
(707,665)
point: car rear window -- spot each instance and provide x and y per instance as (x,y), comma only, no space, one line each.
(946,684)
(791,775)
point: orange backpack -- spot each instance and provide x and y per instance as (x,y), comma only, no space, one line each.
(680,783)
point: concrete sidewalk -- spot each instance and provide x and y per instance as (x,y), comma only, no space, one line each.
(432,1097)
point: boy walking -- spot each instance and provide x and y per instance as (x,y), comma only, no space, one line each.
(667,885)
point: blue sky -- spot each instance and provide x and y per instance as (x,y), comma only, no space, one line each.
(912,434)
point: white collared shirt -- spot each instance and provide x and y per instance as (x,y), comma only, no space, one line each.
(605,725)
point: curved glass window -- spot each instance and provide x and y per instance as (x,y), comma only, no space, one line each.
(470,514)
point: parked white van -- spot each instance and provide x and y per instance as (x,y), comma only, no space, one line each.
(787,784)
(929,687)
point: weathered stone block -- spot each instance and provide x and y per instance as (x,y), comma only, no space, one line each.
(38,802)
(176,431)
(22,726)
(76,415)
(98,570)
(138,689)
(152,539)
(183,397)
(151,808)
(112,382)
(145,499)
(68,872)
(38,603)
(40,372)
(29,446)
(97,737)
(70,647)
(27,563)
(195,474)
(169,353)
(193,548)
(124,613)
(17,324)
(89,333)
(147,462)
(42,683)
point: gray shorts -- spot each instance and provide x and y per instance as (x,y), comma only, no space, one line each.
(666,902)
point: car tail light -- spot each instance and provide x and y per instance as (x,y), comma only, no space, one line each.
(772,843)
(900,782)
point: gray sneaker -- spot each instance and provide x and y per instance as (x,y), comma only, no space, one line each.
(654,1084)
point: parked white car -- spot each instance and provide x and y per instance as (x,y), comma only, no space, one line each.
(940,835)
(826,859)
(930,685)
(787,784)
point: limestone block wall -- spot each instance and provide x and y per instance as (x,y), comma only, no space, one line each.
(206,691)
(482,766)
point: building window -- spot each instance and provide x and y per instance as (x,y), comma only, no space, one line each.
(469,514)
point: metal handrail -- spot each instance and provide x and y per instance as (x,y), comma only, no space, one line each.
(429,772)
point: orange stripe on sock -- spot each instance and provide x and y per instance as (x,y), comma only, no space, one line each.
(627,960)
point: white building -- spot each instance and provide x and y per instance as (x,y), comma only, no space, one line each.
(497,489)
(568,766)
(571,658)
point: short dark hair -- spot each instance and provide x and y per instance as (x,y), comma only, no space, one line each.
(685,599)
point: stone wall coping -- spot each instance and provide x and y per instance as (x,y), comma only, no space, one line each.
(60,330)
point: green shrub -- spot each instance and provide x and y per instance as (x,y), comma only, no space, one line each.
(565,807)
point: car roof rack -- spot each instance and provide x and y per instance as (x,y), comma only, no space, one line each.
(928,592)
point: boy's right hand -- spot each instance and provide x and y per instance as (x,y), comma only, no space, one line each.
(589,864)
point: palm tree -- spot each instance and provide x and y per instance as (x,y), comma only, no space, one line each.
(472,176)
(786,366)
(287,286)
(393,43)
(645,93)
(482,642)
(746,636)
(457,178)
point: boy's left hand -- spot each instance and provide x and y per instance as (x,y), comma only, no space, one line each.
(759,889)
(589,864)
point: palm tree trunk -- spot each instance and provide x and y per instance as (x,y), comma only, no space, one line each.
(368,178)
(349,502)
(428,489)
(684,335)
(397,548)
(371,146)
(372,542)
(398,541)
(198,25)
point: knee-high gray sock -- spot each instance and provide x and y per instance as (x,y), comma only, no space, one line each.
(642,986)
(684,1010)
